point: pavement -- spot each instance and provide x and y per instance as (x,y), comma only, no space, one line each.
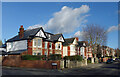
(90,69)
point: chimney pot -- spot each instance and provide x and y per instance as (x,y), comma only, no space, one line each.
(21,26)
(21,32)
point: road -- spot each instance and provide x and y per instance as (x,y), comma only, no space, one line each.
(91,69)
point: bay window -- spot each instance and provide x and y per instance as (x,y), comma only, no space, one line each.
(45,45)
(34,42)
(39,43)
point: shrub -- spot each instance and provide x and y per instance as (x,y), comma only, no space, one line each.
(88,61)
(55,57)
(74,58)
(33,57)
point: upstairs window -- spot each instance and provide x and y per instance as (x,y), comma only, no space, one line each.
(56,46)
(72,48)
(50,45)
(59,46)
(49,36)
(34,42)
(45,45)
(39,42)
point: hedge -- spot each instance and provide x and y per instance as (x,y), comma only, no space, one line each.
(55,57)
(74,58)
(33,57)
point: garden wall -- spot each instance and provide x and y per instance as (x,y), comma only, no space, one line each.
(15,61)
(72,64)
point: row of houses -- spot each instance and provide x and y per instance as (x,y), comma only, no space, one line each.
(38,42)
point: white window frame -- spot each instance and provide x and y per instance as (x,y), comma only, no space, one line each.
(56,46)
(40,43)
(72,48)
(34,42)
(46,43)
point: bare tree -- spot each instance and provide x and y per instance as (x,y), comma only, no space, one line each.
(95,35)
(0,43)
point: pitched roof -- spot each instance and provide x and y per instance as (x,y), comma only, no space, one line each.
(80,43)
(68,41)
(27,34)
(55,37)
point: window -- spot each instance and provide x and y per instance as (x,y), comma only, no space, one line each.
(50,45)
(39,42)
(34,42)
(56,46)
(34,53)
(83,44)
(11,44)
(39,53)
(72,48)
(59,46)
(46,53)
(49,36)
(45,45)
(50,53)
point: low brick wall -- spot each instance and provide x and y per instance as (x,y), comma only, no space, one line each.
(15,61)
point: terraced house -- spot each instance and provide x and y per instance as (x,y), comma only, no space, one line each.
(38,42)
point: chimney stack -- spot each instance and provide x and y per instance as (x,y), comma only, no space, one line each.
(77,38)
(21,32)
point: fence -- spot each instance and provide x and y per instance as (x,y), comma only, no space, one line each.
(73,64)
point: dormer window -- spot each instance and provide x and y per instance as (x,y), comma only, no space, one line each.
(83,44)
(49,36)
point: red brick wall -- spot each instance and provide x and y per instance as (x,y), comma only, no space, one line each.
(30,47)
(85,51)
(53,47)
(15,61)
(62,52)
(68,50)
(48,48)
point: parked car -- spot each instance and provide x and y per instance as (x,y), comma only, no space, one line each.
(109,61)
(117,60)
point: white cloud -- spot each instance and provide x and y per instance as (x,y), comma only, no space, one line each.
(79,34)
(113,28)
(35,26)
(66,20)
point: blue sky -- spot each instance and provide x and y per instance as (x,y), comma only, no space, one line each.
(48,15)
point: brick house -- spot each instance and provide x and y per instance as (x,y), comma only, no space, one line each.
(72,46)
(35,42)
(38,42)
